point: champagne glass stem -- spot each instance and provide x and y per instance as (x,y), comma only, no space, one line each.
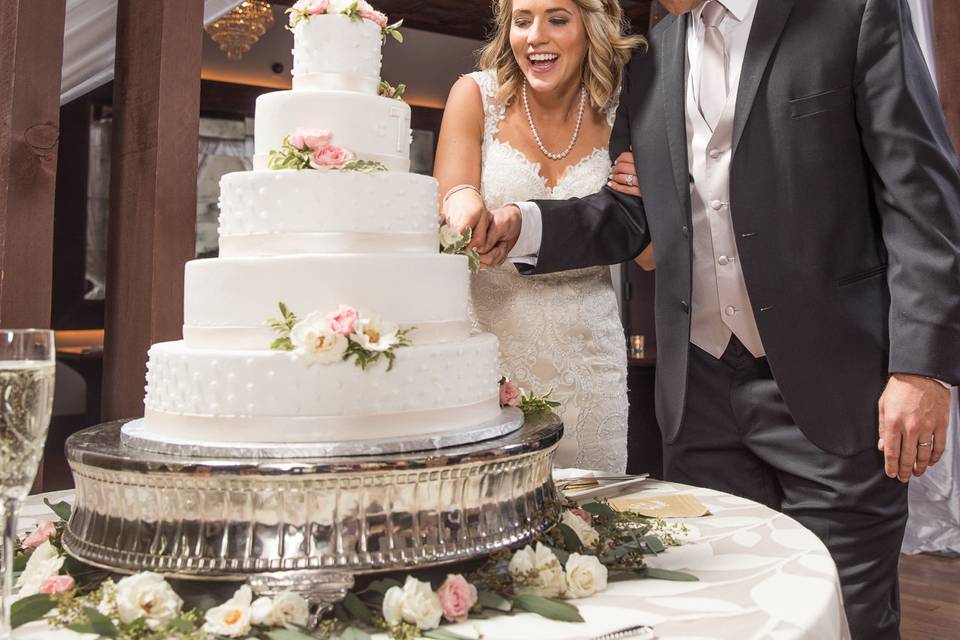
(9,512)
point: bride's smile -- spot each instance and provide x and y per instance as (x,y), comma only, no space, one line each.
(548,40)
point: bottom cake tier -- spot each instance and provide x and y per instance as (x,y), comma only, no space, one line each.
(209,395)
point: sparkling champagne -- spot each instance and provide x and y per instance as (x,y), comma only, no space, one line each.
(26,400)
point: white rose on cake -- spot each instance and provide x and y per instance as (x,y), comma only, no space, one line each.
(314,338)
(373,334)
(537,572)
(449,236)
(585,576)
(147,595)
(233,617)
(415,603)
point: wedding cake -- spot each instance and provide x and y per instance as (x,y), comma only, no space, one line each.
(330,314)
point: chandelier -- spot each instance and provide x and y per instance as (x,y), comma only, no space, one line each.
(240,29)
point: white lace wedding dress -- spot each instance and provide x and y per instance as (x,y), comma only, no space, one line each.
(558,331)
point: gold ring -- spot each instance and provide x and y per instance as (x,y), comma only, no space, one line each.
(924,444)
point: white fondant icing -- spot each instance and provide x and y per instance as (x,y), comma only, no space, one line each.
(372,127)
(335,52)
(403,288)
(280,385)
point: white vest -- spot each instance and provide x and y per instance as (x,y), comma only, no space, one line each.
(720,305)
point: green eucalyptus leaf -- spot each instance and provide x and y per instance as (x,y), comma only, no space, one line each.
(62,509)
(599,509)
(665,574)
(101,624)
(654,544)
(30,608)
(548,608)
(491,600)
(182,625)
(356,608)
(571,541)
(20,562)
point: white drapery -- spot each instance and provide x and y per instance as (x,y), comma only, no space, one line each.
(934,523)
(90,39)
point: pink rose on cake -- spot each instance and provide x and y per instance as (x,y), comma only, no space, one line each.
(330,157)
(344,320)
(374,334)
(310,138)
(314,338)
(369,13)
(457,597)
(510,394)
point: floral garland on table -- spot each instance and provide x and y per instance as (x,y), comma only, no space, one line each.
(354,9)
(314,149)
(338,336)
(591,546)
(452,242)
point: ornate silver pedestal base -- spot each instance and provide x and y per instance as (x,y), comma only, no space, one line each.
(307,524)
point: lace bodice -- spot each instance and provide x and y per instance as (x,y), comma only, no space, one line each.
(559,331)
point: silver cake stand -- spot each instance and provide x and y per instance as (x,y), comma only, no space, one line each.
(307,524)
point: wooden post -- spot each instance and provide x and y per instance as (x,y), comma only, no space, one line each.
(31,55)
(153,191)
(946,21)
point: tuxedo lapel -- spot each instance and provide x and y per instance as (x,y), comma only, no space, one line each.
(767,27)
(672,65)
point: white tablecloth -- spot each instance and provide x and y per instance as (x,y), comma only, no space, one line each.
(762,575)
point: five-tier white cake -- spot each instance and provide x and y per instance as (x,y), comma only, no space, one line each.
(374,339)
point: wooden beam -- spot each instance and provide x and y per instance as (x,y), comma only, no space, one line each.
(153,193)
(31,56)
(946,21)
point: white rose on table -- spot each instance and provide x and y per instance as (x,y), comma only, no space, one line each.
(147,595)
(231,619)
(415,603)
(286,609)
(585,576)
(44,563)
(314,338)
(537,572)
(587,534)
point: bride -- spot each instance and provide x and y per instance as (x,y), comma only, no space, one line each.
(535,123)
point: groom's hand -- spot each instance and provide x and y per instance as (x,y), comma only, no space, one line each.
(502,235)
(914,414)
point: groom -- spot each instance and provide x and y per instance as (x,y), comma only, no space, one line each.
(803,198)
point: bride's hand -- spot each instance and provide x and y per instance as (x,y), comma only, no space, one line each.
(623,175)
(465,208)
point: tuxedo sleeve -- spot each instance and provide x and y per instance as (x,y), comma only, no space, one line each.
(604,228)
(905,137)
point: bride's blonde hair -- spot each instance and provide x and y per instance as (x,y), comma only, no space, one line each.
(608,50)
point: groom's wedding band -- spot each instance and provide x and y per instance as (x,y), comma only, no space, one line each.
(924,444)
(629,181)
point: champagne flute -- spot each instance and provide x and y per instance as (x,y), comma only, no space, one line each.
(27,364)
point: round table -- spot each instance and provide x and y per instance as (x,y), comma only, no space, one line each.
(761,575)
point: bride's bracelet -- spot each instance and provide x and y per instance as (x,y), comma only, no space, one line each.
(461,187)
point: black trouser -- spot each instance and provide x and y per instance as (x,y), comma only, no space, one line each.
(737,436)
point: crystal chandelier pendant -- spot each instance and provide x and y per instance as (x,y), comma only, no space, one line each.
(242,27)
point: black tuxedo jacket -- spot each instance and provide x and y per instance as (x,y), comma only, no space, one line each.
(845,197)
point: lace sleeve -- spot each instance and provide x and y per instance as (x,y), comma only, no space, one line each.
(493,111)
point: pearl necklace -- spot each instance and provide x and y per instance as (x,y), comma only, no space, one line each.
(536,135)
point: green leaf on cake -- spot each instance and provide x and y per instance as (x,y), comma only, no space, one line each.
(364,166)
(283,326)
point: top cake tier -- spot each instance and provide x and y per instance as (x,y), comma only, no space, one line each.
(336,53)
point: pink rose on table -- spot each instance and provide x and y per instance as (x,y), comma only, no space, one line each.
(310,138)
(509,394)
(457,597)
(40,535)
(344,320)
(330,157)
(57,584)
